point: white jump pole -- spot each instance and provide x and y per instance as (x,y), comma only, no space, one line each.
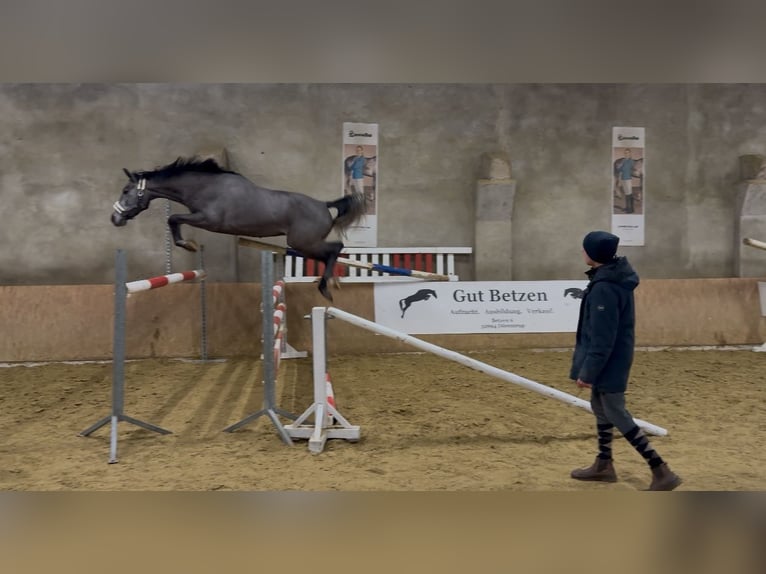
(350,262)
(478,365)
(754,243)
(393,270)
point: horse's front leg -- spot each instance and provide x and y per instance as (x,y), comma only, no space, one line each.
(174,223)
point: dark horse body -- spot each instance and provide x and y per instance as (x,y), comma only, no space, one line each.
(223,201)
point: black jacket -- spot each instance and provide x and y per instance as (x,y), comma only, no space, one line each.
(603,351)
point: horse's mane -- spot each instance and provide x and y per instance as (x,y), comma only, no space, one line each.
(184,165)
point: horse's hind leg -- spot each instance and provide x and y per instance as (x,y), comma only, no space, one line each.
(327,253)
(333,249)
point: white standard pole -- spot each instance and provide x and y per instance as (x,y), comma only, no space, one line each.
(473,364)
(319,342)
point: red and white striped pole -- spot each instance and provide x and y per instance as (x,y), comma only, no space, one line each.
(276,291)
(162,280)
(330,400)
(279,315)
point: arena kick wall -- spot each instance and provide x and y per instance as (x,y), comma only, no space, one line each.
(74,322)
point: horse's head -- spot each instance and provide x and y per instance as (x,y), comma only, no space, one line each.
(134,200)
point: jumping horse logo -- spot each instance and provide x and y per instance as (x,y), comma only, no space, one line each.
(421,295)
(573,292)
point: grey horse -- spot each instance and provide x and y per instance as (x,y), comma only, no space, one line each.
(224,201)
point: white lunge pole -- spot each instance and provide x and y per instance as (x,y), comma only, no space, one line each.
(478,365)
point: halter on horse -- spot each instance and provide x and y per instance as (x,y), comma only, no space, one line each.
(226,202)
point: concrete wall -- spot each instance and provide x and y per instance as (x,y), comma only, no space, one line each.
(63,148)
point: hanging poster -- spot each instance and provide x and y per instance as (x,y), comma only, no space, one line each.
(360,175)
(627,183)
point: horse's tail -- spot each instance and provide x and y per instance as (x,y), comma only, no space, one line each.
(351,208)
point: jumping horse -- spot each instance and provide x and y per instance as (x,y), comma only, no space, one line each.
(420,295)
(574,293)
(226,202)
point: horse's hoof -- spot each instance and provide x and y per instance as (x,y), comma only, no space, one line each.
(189,245)
(334,283)
(325,292)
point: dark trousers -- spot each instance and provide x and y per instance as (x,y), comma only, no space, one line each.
(609,408)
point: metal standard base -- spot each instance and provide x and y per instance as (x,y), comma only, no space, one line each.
(291,353)
(320,431)
(269,368)
(114,419)
(118,363)
(272,414)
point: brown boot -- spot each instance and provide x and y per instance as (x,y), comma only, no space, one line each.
(601,470)
(664,479)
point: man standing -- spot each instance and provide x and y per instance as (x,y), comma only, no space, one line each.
(624,169)
(356,168)
(603,357)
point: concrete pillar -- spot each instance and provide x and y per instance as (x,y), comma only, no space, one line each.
(751,196)
(495,191)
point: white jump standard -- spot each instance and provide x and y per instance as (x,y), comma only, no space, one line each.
(761,286)
(321,431)
(322,409)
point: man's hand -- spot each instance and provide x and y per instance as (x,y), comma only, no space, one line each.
(582,384)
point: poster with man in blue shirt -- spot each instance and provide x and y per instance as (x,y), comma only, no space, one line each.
(625,169)
(355,167)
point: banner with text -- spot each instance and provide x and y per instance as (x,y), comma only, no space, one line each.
(479,306)
(628,197)
(360,175)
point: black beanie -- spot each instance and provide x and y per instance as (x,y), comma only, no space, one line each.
(600,246)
